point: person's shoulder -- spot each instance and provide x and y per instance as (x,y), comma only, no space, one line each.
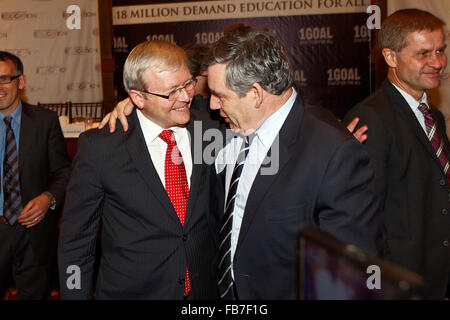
(200,103)
(103,139)
(378,105)
(104,134)
(37,111)
(381,100)
(102,143)
(319,115)
(378,100)
(320,124)
(205,118)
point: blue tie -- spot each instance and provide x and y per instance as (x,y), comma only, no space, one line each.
(226,282)
(12,204)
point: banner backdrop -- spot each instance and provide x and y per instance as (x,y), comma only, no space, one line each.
(440,97)
(60,64)
(327,40)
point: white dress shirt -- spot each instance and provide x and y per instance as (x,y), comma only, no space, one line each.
(414,105)
(260,145)
(157,147)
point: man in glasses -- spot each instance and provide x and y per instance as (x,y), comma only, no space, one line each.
(146,188)
(290,164)
(35,169)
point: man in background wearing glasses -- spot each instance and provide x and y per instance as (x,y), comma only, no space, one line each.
(35,170)
(147,190)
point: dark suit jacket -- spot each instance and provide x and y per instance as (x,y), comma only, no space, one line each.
(411,185)
(145,249)
(324,179)
(43,166)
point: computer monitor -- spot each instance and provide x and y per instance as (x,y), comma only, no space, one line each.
(331,269)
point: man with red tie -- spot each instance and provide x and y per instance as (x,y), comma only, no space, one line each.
(409,149)
(146,189)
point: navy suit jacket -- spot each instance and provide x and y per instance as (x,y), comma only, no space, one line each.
(145,250)
(43,166)
(324,179)
(411,184)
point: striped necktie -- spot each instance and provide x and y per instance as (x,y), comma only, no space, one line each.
(436,140)
(12,203)
(226,282)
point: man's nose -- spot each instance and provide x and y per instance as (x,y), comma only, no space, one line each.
(438,60)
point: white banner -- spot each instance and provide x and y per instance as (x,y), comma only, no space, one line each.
(61,58)
(232,9)
(440,97)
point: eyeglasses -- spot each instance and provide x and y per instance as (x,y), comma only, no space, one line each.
(175,94)
(8,79)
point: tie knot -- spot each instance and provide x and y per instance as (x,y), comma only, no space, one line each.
(167,136)
(425,109)
(7,120)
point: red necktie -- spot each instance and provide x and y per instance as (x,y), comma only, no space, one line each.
(436,140)
(177,187)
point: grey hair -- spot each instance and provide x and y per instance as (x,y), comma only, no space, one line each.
(253,56)
(158,55)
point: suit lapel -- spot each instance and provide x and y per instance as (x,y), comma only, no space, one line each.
(198,171)
(287,138)
(137,149)
(402,108)
(26,131)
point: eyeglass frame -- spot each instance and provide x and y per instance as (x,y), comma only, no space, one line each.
(11,78)
(194,80)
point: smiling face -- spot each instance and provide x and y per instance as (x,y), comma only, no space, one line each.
(10,92)
(161,111)
(420,64)
(236,110)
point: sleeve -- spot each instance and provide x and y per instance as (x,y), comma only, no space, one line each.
(347,206)
(80,223)
(59,161)
(377,146)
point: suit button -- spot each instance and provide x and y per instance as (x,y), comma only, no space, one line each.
(444,212)
(184,237)
(181,281)
(442,182)
(445,243)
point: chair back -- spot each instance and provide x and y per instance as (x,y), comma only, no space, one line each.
(94,110)
(62,109)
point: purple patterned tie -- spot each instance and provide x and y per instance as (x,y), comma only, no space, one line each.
(12,203)
(436,140)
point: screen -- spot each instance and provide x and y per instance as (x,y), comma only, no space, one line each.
(331,269)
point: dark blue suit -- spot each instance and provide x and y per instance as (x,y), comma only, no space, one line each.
(411,186)
(145,249)
(324,179)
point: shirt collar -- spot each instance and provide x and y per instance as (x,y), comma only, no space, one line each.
(15,115)
(413,103)
(151,130)
(267,132)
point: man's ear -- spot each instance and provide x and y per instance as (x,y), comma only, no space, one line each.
(390,56)
(22,82)
(138,98)
(257,93)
